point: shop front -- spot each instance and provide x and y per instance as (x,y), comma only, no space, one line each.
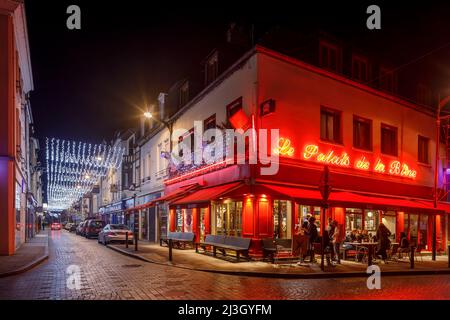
(112,213)
(148,217)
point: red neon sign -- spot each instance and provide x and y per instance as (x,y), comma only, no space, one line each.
(395,168)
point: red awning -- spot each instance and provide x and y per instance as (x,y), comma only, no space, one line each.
(207,194)
(347,199)
(168,197)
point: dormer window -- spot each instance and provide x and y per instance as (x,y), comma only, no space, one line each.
(386,79)
(184,94)
(360,68)
(212,68)
(329,56)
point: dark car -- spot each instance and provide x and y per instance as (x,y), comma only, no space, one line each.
(93,228)
(79,230)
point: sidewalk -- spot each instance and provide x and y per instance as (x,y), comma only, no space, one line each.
(26,257)
(189,259)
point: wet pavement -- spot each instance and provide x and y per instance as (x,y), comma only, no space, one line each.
(106,274)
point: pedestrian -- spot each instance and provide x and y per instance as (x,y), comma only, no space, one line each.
(336,240)
(312,237)
(43,224)
(384,243)
(404,244)
(300,243)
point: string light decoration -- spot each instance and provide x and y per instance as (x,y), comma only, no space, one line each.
(73,168)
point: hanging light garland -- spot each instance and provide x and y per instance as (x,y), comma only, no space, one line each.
(73,168)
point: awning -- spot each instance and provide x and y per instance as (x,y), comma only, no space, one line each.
(348,199)
(207,194)
(168,197)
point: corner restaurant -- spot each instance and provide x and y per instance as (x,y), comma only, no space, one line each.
(365,192)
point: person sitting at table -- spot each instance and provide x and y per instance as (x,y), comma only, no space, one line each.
(359,236)
(365,236)
(404,244)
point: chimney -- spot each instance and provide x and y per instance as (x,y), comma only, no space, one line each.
(162,102)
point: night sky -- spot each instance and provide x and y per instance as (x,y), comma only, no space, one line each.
(89,83)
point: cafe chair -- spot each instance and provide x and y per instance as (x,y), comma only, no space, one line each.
(417,253)
(392,253)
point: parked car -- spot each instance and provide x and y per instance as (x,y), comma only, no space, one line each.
(114,233)
(79,230)
(93,228)
(55,226)
(73,227)
(68,225)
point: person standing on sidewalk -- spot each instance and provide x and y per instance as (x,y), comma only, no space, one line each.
(337,240)
(312,237)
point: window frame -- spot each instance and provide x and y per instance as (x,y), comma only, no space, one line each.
(237,103)
(357,118)
(395,130)
(340,129)
(427,154)
(330,46)
(360,60)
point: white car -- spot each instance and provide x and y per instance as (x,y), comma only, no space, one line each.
(115,233)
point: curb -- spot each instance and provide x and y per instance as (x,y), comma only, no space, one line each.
(324,275)
(29,266)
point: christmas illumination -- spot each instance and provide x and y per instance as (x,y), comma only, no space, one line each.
(73,168)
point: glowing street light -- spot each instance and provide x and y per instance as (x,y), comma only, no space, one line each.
(148,114)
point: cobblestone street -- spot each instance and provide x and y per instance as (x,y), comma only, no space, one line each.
(106,274)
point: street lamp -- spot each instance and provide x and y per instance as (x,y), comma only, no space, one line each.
(168,125)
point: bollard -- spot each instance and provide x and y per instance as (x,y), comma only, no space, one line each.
(170,249)
(135,241)
(126,239)
(411,257)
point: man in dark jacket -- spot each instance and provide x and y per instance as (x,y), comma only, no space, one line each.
(312,237)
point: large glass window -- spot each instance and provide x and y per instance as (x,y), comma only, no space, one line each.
(413,228)
(390,221)
(179,226)
(228,218)
(282,219)
(353,219)
(202,224)
(371,220)
(187,220)
(163,219)
(423,228)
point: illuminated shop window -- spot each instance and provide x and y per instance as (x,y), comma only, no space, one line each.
(179,214)
(390,221)
(307,211)
(330,125)
(423,229)
(353,220)
(187,220)
(228,218)
(362,133)
(203,212)
(423,149)
(371,221)
(282,219)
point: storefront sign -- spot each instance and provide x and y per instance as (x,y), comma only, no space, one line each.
(284,147)
(395,167)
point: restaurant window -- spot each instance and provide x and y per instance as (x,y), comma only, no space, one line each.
(423,149)
(329,56)
(203,213)
(371,221)
(228,218)
(360,68)
(282,219)
(389,140)
(362,133)
(353,219)
(389,219)
(184,94)
(423,229)
(212,68)
(187,220)
(386,79)
(330,125)
(413,225)
(305,212)
(179,215)
(163,219)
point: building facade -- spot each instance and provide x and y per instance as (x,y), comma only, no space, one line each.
(379,148)
(15,120)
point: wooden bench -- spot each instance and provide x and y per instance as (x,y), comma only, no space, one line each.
(224,243)
(277,248)
(179,239)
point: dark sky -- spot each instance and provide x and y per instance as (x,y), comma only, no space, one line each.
(89,82)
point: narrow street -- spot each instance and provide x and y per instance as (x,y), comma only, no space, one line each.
(106,274)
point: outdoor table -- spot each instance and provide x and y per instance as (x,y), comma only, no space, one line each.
(369,245)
